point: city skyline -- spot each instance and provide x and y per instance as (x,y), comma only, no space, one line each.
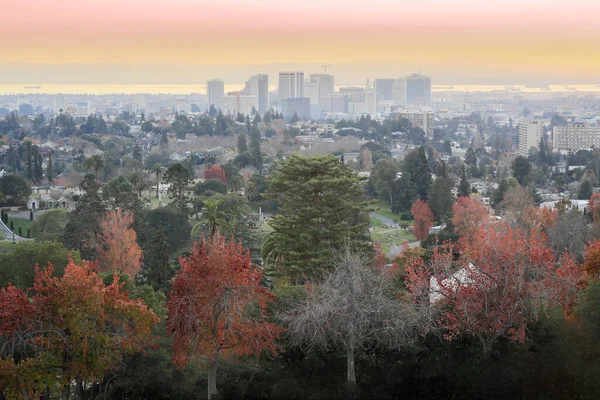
(157,41)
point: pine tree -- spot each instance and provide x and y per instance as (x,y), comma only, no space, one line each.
(157,267)
(464,189)
(415,164)
(137,153)
(441,198)
(49,172)
(39,169)
(29,170)
(322,209)
(255,150)
(242,144)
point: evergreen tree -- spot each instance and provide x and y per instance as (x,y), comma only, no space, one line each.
(521,169)
(322,208)
(464,189)
(137,153)
(405,194)
(158,271)
(242,144)
(585,190)
(29,171)
(39,169)
(49,172)
(178,178)
(416,165)
(83,222)
(441,198)
(255,150)
(498,196)
(31,215)
(470,157)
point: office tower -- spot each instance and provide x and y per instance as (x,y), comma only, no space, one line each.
(236,102)
(299,106)
(398,90)
(215,89)
(258,86)
(418,119)
(383,88)
(417,89)
(311,90)
(574,137)
(291,85)
(325,82)
(370,101)
(530,135)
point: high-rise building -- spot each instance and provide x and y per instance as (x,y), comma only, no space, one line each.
(236,102)
(398,90)
(299,106)
(417,89)
(575,136)
(291,85)
(325,82)
(258,86)
(530,135)
(383,88)
(215,89)
(418,119)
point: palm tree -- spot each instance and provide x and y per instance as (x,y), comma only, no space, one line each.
(236,182)
(157,169)
(251,192)
(94,163)
(212,218)
(138,182)
(271,251)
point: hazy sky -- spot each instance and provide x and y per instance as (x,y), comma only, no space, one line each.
(459,41)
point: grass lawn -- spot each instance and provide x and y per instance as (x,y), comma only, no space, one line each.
(387,238)
(6,246)
(384,208)
(375,223)
(20,222)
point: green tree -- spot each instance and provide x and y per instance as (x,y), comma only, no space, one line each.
(441,198)
(383,178)
(498,195)
(157,169)
(137,153)
(83,222)
(464,189)
(416,165)
(322,208)
(94,164)
(179,178)
(157,269)
(18,267)
(470,157)
(242,144)
(50,226)
(49,171)
(256,155)
(585,190)
(405,194)
(15,188)
(521,169)
(213,219)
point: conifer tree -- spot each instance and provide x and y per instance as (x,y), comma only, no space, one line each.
(464,189)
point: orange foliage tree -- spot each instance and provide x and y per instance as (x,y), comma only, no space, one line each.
(469,214)
(423,219)
(591,260)
(594,207)
(117,247)
(217,307)
(539,218)
(215,172)
(73,328)
(504,278)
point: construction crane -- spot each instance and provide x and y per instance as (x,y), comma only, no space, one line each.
(420,70)
(325,67)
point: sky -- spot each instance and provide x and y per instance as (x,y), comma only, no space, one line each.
(171,41)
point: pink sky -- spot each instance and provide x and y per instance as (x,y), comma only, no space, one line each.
(526,35)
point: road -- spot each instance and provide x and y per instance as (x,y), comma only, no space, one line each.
(391,223)
(8,235)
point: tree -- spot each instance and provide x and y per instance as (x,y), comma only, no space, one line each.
(322,208)
(405,193)
(366,159)
(94,163)
(585,191)
(571,233)
(18,266)
(464,189)
(217,308)
(256,155)
(157,169)
(383,178)
(502,281)
(116,244)
(423,219)
(521,169)
(174,223)
(212,218)
(14,187)
(242,143)
(215,172)
(29,170)
(83,222)
(441,198)
(137,153)
(178,178)
(74,328)
(498,195)
(49,170)
(469,215)
(516,200)
(157,268)
(470,157)
(591,263)
(415,163)
(594,208)
(210,187)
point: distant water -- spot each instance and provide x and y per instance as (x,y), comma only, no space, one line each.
(184,89)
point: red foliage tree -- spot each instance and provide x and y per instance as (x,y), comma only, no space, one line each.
(469,214)
(117,247)
(502,281)
(539,218)
(591,261)
(217,307)
(72,328)
(594,207)
(423,219)
(215,172)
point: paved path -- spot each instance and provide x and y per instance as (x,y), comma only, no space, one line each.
(386,221)
(8,235)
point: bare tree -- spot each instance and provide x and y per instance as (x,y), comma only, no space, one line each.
(355,306)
